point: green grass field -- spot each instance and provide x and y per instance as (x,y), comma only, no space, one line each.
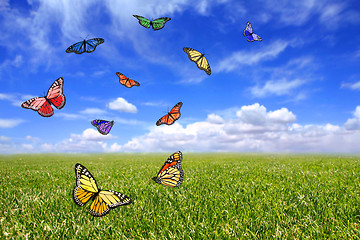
(223,196)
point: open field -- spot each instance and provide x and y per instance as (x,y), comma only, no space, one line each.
(223,196)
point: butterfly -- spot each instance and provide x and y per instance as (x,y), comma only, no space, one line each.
(127,82)
(103,200)
(172,116)
(54,96)
(199,59)
(157,24)
(102,126)
(85,46)
(251,36)
(171,173)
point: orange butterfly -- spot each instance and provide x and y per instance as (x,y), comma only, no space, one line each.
(172,116)
(127,82)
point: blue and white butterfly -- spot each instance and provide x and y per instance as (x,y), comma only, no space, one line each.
(85,46)
(102,126)
(250,35)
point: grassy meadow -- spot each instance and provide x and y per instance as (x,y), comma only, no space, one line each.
(223,196)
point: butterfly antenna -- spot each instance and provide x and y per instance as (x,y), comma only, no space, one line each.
(84,38)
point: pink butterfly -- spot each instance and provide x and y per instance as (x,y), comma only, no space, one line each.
(42,104)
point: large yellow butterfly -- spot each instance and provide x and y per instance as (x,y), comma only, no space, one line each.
(103,200)
(171,173)
(199,59)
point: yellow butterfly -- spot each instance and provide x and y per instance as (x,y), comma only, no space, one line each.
(171,173)
(103,200)
(199,59)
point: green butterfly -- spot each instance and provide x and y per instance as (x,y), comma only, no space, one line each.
(157,24)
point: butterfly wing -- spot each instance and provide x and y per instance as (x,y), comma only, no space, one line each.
(107,200)
(55,93)
(250,35)
(126,81)
(143,21)
(85,46)
(163,120)
(197,57)
(91,44)
(248,30)
(40,105)
(86,187)
(159,23)
(175,112)
(103,126)
(77,48)
(203,64)
(253,37)
(171,173)
(172,116)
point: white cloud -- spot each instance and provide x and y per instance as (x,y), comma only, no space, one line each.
(92,111)
(214,118)
(246,58)
(331,15)
(82,114)
(278,88)
(69,116)
(90,135)
(14,98)
(254,129)
(120,104)
(353,86)
(31,138)
(155,104)
(16,62)
(10,123)
(4,139)
(289,79)
(251,129)
(354,123)
(282,115)
(90,140)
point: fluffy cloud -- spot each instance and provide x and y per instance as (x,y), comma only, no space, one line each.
(254,129)
(354,123)
(251,129)
(120,104)
(90,140)
(90,134)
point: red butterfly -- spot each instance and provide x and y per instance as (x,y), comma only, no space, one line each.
(127,82)
(172,116)
(42,104)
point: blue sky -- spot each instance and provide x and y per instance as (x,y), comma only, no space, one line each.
(296,91)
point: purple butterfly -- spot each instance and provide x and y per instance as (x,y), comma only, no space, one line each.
(251,36)
(102,126)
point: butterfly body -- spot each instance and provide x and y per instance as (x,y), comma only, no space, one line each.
(172,116)
(249,34)
(199,58)
(85,46)
(54,96)
(103,126)
(127,82)
(171,173)
(86,190)
(156,24)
